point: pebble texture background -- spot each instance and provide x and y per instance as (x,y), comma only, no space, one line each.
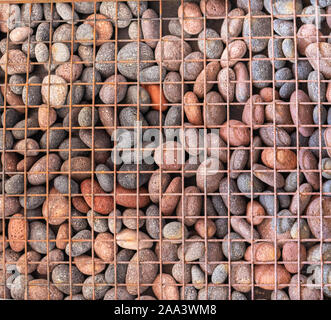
(251,79)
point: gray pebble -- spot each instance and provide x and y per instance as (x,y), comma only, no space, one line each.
(284,199)
(86,7)
(124,255)
(329,116)
(63,34)
(220,274)
(245,185)
(79,247)
(152,74)
(86,54)
(15,184)
(323,114)
(62,278)
(18,286)
(138,8)
(98,221)
(88,77)
(35,201)
(38,232)
(175,28)
(235,295)
(60,52)
(29,123)
(132,96)
(32,95)
(9,140)
(326,188)
(276,45)
(314,143)
(111,222)
(213,48)
(129,180)
(106,56)
(94,287)
(238,248)
(78,220)
(283,224)
(304,68)
(85,117)
(153,225)
(221,227)
(303,141)
(219,205)
(311,16)
(120,294)
(256,27)
(261,70)
(268,203)
(288,49)
(128,117)
(284,28)
(42,33)
(14,19)
(282,74)
(255,5)
(48,14)
(173,118)
(85,34)
(76,94)
(105,180)
(192,67)
(188,293)
(291,181)
(41,52)
(12,117)
(153,118)
(54,137)
(321,3)
(130,53)
(134,31)
(61,183)
(66,13)
(37,14)
(286,90)
(16,79)
(28,47)
(316,88)
(110,9)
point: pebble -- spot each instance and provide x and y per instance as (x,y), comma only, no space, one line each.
(284,28)
(208,175)
(85,34)
(150,25)
(175,29)
(191,10)
(129,53)
(66,13)
(238,133)
(257,27)
(124,14)
(16,63)
(275,52)
(54,90)
(316,88)
(129,180)
(236,203)
(115,83)
(106,56)
(39,232)
(267,176)
(261,70)
(265,277)
(173,90)
(43,31)
(212,48)
(171,48)
(233,28)
(91,76)
(62,275)
(61,183)
(41,52)
(226,87)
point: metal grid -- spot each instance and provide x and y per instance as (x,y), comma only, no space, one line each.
(165,10)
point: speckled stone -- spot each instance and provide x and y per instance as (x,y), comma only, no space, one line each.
(259,27)
(237,248)
(284,28)
(261,70)
(152,74)
(61,277)
(38,231)
(213,48)
(42,33)
(106,56)
(61,183)
(276,45)
(88,77)
(282,74)
(32,96)
(246,185)
(320,114)
(85,34)
(57,90)
(129,180)
(130,53)
(288,49)
(66,13)
(16,79)
(311,15)
(106,180)
(124,14)
(283,8)
(60,52)
(41,52)
(136,9)
(86,7)
(37,14)
(316,88)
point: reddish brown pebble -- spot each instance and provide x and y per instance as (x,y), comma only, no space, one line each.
(263,252)
(41,289)
(56,207)
(204,81)
(103,204)
(192,108)
(165,287)
(238,133)
(290,255)
(18,232)
(128,197)
(70,71)
(285,159)
(190,10)
(104,246)
(267,94)
(265,277)
(86,265)
(257,114)
(169,200)
(254,212)
(205,230)
(304,110)
(307,161)
(62,237)
(103,27)
(168,156)
(80,204)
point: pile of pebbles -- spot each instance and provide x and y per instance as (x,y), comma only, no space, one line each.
(253,85)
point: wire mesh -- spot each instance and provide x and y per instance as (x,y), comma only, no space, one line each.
(98,151)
